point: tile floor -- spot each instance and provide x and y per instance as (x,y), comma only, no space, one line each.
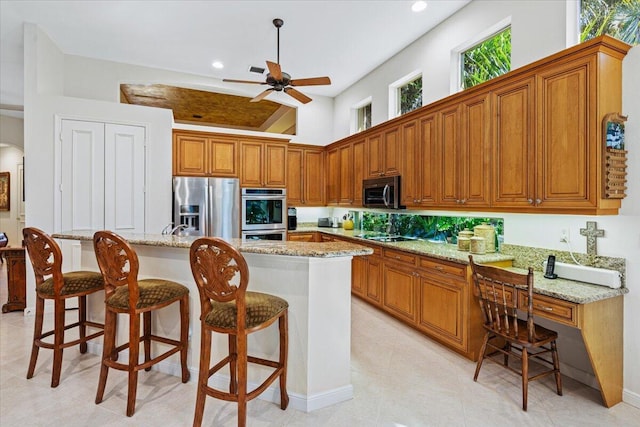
(400,378)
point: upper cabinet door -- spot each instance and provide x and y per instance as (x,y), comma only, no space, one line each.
(251,164)
(392,151)
(514,163)
(314,183)
(191,155)
(223,157)
(475,168)
(567,156)
(82,175)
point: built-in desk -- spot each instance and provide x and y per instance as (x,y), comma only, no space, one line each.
(597,311)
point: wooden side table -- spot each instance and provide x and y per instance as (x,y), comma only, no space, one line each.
(16,279)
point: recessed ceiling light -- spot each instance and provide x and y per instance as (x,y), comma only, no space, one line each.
(217,64)
(419,6)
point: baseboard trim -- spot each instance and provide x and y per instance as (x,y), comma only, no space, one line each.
(631,398)
(297,401)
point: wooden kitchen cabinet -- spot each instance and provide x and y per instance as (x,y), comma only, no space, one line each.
(333,176)
(200,154)
(419,172)
(263,164)
(305,176)
(384,152)
(514,145)
(464,153)
(359,169)
(304,237)
(443,298)
(346,185)
(399,282)
(366,276)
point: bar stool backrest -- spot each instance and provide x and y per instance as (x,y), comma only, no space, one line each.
(45,256)
(118,264)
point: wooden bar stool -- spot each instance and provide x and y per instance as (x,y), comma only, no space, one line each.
(222,276)
(52,284)
(125,294)
(497,291)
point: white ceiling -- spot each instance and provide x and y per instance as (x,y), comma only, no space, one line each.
(344,40)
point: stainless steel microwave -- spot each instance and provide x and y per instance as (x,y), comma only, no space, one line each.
(383,192)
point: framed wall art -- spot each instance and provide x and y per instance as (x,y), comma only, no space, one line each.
(5,186)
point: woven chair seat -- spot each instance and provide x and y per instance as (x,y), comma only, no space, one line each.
(151,292)
(260,308)
(75,282)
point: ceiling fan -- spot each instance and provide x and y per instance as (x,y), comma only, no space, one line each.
(281,81)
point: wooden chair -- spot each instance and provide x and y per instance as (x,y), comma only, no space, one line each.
(52,284)
(222,276)
(497,291)
(125,294)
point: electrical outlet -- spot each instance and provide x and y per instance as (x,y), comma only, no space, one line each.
(564,235)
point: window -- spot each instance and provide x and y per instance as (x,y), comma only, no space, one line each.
(405,94)
(617,18)
(363,118)
(484,61)
(410,96)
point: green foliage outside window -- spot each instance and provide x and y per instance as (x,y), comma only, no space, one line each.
(487,60)
(411,96)
(617,18)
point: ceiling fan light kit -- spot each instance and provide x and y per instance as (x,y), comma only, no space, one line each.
(281,81)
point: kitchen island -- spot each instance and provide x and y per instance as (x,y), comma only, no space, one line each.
(315,279)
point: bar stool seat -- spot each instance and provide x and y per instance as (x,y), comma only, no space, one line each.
(152,292)
(260,308)
(53,284)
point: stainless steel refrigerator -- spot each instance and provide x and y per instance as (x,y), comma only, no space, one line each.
(207,206)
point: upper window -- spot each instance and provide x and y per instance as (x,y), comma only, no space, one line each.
(617,18)
(363,118)
(486,60)
(410,96)
(405,94)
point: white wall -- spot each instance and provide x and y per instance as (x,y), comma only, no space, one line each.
(100,80)
(432,52)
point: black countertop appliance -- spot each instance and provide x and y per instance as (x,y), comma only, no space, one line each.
(292,221)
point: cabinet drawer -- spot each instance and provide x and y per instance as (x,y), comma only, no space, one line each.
(404,257)
(459,271)
(560,311)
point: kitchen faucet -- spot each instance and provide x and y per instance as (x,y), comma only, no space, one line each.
(168,230)
(391,225)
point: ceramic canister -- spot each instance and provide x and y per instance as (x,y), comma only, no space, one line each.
(477,245)
(488,233)
(463,243)
(466,233)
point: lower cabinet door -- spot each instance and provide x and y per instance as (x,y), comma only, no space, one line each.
(359,274)
(443,310)
(399,296)
(374,280)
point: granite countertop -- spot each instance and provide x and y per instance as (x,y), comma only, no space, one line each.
(564,289)
(442,251)
(302,249)
(570,290)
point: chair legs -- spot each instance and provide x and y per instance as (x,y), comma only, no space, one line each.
(481,355)
(556,367)
(37,335)
(111,350)
(238,361)
(58,333)
(525,378)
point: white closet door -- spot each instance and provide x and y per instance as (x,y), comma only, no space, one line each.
(124,184)
(82,175)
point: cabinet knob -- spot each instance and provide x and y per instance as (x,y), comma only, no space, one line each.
(530,201)
(538,201)
(463,201)
(544,308)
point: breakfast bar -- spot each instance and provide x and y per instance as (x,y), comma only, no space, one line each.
(315,279)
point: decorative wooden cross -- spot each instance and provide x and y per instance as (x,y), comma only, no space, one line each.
(591,233)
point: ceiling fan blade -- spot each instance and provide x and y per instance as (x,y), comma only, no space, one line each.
(312,81)
(262,95)
(297,95)
(275,70)
(244,81)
